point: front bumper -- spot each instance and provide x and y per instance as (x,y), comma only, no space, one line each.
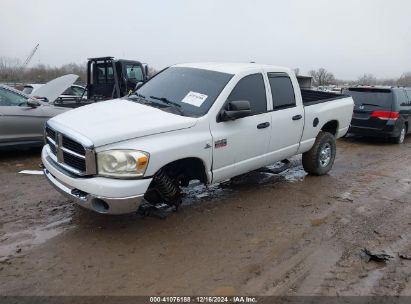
(100,194)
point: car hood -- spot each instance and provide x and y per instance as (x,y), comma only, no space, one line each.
(54,88)
(117,120)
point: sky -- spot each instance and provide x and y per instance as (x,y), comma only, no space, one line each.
(347,37)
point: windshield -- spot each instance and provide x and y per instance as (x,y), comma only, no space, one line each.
(192,91)
(371,96)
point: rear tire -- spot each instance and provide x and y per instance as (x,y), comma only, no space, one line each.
(400,138)
(320,158)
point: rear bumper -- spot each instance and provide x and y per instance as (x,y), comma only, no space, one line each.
(387,131)
(103,195)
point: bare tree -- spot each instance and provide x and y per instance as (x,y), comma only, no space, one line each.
(387,81)
(405,80)
(367,79)
(322,77)
(152,71)
(10,69)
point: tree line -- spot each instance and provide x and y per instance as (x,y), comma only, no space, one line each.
(322,77)
(12,71)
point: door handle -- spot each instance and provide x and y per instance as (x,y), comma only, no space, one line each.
(263,125)
(297,117)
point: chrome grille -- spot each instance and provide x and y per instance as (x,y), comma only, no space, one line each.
(74,161)
(69,153)
(73,146)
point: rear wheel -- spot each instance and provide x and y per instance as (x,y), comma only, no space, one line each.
(320,158)
(401,137)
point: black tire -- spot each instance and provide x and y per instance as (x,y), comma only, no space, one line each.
(164,189)
(320,158)
(400,138)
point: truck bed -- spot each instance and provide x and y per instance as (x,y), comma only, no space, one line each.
(311,97)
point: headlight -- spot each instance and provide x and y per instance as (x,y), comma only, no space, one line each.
(122,163)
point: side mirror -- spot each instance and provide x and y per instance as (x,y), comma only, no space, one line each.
(138,85)
(235,109)
(33,103)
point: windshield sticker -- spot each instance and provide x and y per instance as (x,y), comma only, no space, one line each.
(194,98)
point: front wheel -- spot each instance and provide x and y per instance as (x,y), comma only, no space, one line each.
(164,189)
(320,158)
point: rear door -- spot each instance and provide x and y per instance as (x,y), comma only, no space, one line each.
(287,118)
(19,122)
(369,104)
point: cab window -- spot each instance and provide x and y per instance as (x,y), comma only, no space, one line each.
(252,89)
(104,73)
(282,91)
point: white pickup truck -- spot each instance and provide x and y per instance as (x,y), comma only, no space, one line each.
(199,121)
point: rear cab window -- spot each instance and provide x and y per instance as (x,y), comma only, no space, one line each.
(282,91)
(104,73)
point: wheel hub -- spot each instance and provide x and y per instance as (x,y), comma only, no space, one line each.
(402,135)
(325,155)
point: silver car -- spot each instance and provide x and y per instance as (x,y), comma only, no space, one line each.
(22,118)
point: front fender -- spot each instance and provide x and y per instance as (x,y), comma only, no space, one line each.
(165,148)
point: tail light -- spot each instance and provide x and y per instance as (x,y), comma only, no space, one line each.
(385,115)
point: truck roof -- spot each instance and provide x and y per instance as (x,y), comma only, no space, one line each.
(230,67)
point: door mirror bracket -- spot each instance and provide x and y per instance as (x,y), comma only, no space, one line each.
(235,110)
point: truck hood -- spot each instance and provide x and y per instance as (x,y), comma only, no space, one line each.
(117,120)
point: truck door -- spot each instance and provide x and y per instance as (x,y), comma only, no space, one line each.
(287,117)
(240,145)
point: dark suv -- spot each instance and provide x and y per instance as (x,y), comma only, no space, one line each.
(381,112)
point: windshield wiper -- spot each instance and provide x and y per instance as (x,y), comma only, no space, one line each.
(136,94)
(169,103)
(140,98)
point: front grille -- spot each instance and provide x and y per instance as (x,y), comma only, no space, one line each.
(51,133)
(52,147)
(71,154)
(74,146)
(74,162)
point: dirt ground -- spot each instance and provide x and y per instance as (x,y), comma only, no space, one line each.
(261,234)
